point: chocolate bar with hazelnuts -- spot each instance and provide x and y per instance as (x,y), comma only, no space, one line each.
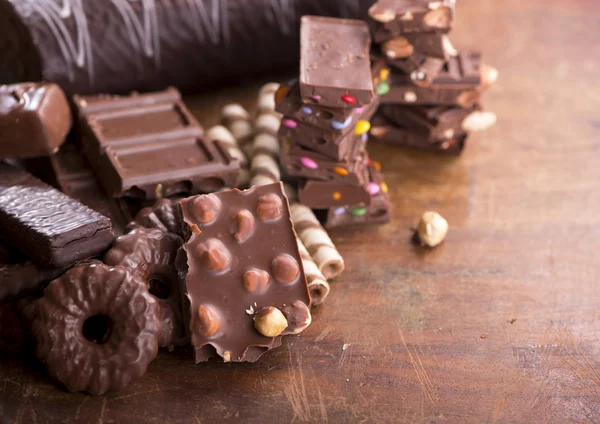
(242,273)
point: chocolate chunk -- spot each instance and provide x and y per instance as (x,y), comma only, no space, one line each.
(19,276)
(96,328)
(47,225)
(422,70)
(149,254)
(164,215)
(289,103)
(335,144)
(34,119)
(334,62)
(150,146)
(302,162)
(436,122)
(241,268)
(382,130)
(459,83)
(326,194)
(378,212)
(392,18)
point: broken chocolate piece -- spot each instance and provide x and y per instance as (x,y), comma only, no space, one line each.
(326,194)
(34,119)
(334,62)
(47,225)
(239,258)
(164,215)
(150,146)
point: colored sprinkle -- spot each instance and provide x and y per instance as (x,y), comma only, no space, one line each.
(369,161)
(308,163)
(290,123)
(341,125)
(382,88)
(384,74)
(307,110)
(340,171)
(359,110)
(347,98)
(384,187)
(374,188)
(337,195)
(364,137)
(358,211)
(316,98)
(377,165)
(339,211)
(362,127)
(281,93)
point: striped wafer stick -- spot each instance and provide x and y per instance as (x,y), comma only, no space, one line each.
(265,147)
(219,132)
(318,286)
(317,241)
(238,121)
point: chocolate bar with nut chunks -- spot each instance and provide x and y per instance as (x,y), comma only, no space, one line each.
(392,18)
(150,146)
(34,119)
(242,273)
(335,69)
(47,225)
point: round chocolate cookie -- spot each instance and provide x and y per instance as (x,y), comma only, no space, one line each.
(96,328)
(164,215)
(149,254)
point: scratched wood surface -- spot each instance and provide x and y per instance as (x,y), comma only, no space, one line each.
(499,324)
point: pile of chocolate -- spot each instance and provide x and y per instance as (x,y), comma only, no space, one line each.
(430,93)
(325,127)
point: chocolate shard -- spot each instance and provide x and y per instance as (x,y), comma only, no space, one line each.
(150,146)
(334,62)
(34,119)
(47,225)
(240,267)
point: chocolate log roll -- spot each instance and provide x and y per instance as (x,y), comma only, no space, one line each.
(116,46)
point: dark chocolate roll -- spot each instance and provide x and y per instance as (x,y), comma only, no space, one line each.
(116,46)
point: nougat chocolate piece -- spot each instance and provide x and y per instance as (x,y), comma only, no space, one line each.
(242,273)
(34,119)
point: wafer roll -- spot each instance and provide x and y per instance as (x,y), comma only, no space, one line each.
(219,132)
(238,121)
(318,286)
(317,241)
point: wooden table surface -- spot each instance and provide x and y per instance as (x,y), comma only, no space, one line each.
(499,324)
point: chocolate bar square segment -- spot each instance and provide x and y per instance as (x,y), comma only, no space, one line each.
(327,194)
(334,62)
(149,146)
(240,264)
(35,119)
(47,225)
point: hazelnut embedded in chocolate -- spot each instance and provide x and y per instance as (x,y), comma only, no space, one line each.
(398,47)
(214,255)
(439,18)
(245,226)
(285,269)
(269,207)
(208,321)
(270,321)
(380,14)
(205,208)
(256,280)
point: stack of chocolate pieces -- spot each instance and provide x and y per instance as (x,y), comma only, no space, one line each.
(326,120)
(429,92)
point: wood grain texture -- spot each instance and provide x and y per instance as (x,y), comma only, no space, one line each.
(501,323)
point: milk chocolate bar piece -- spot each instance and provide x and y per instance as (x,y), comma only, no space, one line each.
(378,212)
(460,83)
(47,225)
(20,276)
(334,62)
(392,18)
(384,131)
(289,103)
(71,172)
(299,161)
(436,122)
(242,273)
(150,146)
(34,119)
(332,143)
(327,194)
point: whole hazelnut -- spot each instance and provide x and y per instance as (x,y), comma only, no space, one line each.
(432,229)
(270,321)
